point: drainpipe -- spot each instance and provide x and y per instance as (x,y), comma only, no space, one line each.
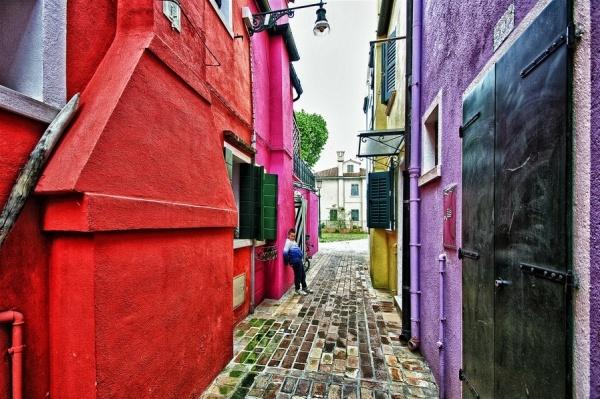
(442,327)
(414,171)
(253,144)
(16,350)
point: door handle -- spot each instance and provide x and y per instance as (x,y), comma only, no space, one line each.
(501,283)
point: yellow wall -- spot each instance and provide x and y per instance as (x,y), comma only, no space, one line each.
(384,243)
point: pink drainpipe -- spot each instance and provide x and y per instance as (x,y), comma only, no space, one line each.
(16,350)
(414,171)
(442,327)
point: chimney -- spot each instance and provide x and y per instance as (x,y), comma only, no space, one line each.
(340,158)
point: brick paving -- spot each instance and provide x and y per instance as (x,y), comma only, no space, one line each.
(342,341)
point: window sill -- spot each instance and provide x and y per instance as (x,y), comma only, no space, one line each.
(241,243)
(434,174)
(246,242)
(21,104)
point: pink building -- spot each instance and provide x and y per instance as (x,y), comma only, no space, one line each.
(273,156)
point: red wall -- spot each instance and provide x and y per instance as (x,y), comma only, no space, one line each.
(123,262)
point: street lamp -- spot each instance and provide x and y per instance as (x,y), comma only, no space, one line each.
(267,20)
(319,185)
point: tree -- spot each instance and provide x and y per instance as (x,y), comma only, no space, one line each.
(313,136)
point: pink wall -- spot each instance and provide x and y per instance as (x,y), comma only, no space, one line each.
(273,116)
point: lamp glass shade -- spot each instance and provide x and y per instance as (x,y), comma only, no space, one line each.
(319,184)
(321,25)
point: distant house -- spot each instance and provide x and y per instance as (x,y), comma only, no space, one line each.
(343,195)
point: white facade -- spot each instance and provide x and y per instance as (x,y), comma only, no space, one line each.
(343,195)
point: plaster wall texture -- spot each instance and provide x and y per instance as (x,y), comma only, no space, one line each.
(582,99)
(595,205)
(454,53)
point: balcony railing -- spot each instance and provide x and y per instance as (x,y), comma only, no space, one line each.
(301,169)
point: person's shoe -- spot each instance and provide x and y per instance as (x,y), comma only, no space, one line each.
(301,292)
(308,291)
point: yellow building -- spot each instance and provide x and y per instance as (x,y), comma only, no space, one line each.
(382,143)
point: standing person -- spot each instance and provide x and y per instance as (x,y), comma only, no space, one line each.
(292,255)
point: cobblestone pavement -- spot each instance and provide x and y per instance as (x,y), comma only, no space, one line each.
(342,341)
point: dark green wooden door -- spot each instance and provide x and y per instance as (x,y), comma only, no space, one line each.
(530,211)
(478,238)
(515,286)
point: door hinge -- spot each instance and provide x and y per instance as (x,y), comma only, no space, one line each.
(548,274)
(461,130)
(465,253)
(568,37)
(463,377)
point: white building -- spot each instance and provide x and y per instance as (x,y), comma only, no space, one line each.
(343,195)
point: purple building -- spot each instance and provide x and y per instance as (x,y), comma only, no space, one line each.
(505,181)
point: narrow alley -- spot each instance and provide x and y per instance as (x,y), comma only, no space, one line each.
(342,341)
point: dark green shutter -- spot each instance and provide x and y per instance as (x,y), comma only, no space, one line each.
(388,68)
(384,49)
(251,193)
(378,200)
(269,205)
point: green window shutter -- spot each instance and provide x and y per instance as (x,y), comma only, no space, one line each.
(228,154)
(333,215)
(251,212)
(378,200)
(388,68)
(269,205)
(384,68)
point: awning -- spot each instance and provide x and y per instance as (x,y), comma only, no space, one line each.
(380,143)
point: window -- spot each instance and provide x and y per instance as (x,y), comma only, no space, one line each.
(350,169)
(255,194)
(354,190)
(333,215)
(431,143)
(354,215)
(33,51)
(388,68)
(223,8)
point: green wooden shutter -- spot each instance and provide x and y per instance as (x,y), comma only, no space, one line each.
(228,154)
(269,205)
(378,200)
(388,68)
(251,193)
(384,58)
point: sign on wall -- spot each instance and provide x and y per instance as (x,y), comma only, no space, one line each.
(450,217)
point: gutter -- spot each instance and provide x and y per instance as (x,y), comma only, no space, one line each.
(295,82)
(414,171)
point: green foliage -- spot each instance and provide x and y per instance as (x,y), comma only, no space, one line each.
(313,136)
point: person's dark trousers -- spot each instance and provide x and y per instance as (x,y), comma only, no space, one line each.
(299,276)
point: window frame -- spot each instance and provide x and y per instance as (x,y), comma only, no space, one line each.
(352,185)
(226,18)
(431,141)
(333,212)
(50,96)
(352,212)
(350,168)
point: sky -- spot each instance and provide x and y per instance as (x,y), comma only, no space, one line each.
(333,70)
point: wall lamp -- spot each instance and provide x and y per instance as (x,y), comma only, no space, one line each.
(267,20)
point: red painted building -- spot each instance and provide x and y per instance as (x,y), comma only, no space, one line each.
(122,261)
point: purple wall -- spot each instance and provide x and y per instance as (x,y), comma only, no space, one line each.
(454,52)
(595,210)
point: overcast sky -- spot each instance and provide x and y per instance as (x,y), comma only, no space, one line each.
(333,70)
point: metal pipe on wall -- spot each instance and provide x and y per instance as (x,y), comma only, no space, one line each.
(442,327)
(414,171)
(16,350)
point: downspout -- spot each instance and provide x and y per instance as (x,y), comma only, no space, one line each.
(253,144)
(442,327)
(16,350)
(414,173)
